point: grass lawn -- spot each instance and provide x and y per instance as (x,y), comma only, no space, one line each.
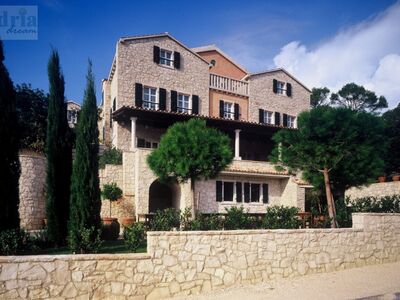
(112,247)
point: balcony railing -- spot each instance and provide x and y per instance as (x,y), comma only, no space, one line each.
(229,85)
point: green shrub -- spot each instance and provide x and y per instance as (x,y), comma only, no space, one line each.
(110,232)
(210,222)
(12,241)
(135,236)
(385,204)
(88,241)
(111,156)
(111,192)
(165,220)
(343,214)
(281,217)
(237,218)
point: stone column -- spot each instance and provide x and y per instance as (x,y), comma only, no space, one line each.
(133,133)
(237,144)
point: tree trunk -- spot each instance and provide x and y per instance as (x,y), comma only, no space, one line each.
(329,199)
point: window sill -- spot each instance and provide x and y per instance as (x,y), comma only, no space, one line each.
(167,67)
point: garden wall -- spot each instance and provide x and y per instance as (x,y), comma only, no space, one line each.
(375,189)
(32,210)
(182,263)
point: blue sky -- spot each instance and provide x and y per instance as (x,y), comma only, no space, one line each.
(259,34)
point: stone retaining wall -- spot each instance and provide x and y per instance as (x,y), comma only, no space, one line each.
(183,263)
(32,209)
(375,189)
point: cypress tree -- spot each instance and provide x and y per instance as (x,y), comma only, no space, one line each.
(9,141)
(59,156)
(85,201)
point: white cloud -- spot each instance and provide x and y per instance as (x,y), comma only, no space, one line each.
(367,53)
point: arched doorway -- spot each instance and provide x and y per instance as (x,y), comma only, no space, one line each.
(162,196)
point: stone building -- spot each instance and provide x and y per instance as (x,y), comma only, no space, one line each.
(155,81)
(73,109)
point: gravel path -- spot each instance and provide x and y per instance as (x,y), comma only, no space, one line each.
(371,282)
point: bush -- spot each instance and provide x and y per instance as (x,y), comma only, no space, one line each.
(110,232)
(89,241)
(13,241)
(281,217)
(343,214)
(135,236)
(210,222)
(386,204)
(111,156)
(165,220)
(237,218)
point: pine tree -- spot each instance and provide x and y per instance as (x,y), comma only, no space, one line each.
(9,141)
(59,156)
(85,201)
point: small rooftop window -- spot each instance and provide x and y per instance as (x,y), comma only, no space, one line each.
(213,62)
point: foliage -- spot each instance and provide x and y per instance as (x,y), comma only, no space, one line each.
(211,222)
(324,145)
(111,156)
(12,241)
(319,96)
(32,106)
(85,240)
(58,154)
(392,133)
(357,98)
(85,192)
(189,151)
(165,220)
(343,213)
(237,218)
(135,236)
(281,217)
(9,141)
(110,232)
(385,204)
(111,191)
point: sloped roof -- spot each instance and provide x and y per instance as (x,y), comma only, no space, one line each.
(215,48)
(279,70)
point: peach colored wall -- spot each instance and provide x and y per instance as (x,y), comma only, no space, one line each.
(216,96)
(223,66)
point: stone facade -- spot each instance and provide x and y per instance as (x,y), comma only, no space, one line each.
(262,95)
(32,209)
(183,263)
(375,190)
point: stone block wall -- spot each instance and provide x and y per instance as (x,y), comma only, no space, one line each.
(375,189)
(121,208)
(183,263)
(32,209)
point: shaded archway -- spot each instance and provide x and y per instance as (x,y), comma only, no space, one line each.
(162,196)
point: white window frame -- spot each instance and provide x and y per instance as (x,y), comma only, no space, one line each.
(280,87)
(229,110)
(164,60)
(234,200)
(182,109)
(72,116)
(291,121)
(148,103)
(268,117)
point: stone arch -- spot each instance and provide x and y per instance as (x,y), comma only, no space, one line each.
(163,195)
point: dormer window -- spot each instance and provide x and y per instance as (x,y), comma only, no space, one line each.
(166,58)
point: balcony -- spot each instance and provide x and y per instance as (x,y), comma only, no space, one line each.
(229,85)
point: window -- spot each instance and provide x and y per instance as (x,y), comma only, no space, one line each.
(213,62)
(183,103)
(72,116)
(230,191)
(166,58)
(280,87)
(150,98)
(143,143)
(229,110)
(291,121)
(268,117)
